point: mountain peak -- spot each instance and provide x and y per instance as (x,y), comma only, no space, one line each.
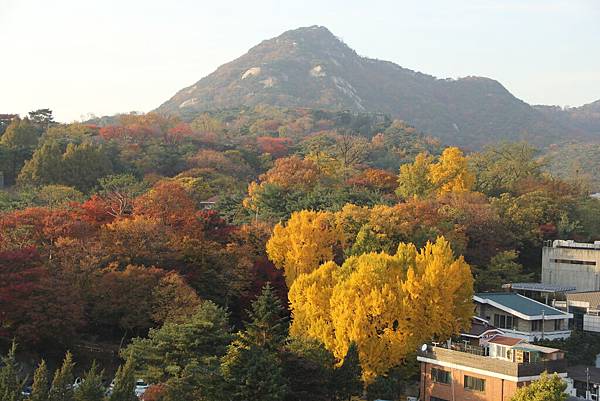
(310,67)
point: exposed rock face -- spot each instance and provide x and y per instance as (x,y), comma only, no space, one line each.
(310,67)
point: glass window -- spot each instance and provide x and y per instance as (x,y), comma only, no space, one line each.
(536,325)
(503,321)
(558,324)
(474,383)
(440,376)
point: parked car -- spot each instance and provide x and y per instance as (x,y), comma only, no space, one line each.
(26,392)
(140,387)
(78,381)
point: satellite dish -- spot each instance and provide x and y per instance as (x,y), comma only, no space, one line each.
(424,347)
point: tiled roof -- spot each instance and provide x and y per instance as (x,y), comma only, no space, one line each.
(503,340)
(518,303)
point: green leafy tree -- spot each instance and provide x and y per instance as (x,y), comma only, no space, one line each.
(503,268)
(44,167)
(62,384)
(11,385)
(91,389)
(499,168)
(168,350)
(19,140)
(124,385)
(348,377)
(41,385)
(309,370)
(547,388)
(119,191)
(42,118)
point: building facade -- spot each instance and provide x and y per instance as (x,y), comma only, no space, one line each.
(572,264)
(522,317)
(459,372)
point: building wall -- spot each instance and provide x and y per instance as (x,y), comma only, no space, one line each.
(584,277)
(495,389)
(591,323)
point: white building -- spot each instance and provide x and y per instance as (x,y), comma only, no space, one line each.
(571,264)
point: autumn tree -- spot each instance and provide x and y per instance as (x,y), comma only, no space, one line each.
(546,388)
(300,246)
(386,304)
(414,179)
(452,172)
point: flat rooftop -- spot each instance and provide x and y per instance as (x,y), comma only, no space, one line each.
(561,243)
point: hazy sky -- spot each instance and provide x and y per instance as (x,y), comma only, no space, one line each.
(102,57)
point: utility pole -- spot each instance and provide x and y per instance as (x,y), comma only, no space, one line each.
(543,319)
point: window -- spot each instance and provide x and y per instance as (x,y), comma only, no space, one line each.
(536,325)
(503,321)
(474,383)
(440,376)
(557,324)
(432,398)
(574,262)
(500,351)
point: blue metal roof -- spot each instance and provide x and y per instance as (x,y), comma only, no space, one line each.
(519,303)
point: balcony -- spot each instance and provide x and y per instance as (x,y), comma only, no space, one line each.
(473,357)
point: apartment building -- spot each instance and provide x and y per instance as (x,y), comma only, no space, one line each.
(463,372)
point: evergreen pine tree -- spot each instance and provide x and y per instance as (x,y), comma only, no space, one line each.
(268,327)
(40,387)
(252,368)
(347,378)
(91,389)
(124,386)
(11,386)
(62,384)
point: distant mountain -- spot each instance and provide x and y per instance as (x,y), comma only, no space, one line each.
(310,67)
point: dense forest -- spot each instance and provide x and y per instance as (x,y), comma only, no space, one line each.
(217,257)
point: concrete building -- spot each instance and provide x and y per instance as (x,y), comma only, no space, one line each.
(522,317)
(461,372)
(571,264)
(585,308)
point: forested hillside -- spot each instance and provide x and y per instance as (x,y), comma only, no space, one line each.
(310,67)
(208,252)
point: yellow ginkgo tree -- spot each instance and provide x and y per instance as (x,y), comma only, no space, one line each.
(386,304)
(307,240)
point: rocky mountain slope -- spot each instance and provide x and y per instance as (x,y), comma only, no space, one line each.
(310,67)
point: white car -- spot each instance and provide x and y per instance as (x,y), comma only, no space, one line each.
(78,381)
(140,387)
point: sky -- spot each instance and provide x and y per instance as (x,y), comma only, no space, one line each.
(82,57)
